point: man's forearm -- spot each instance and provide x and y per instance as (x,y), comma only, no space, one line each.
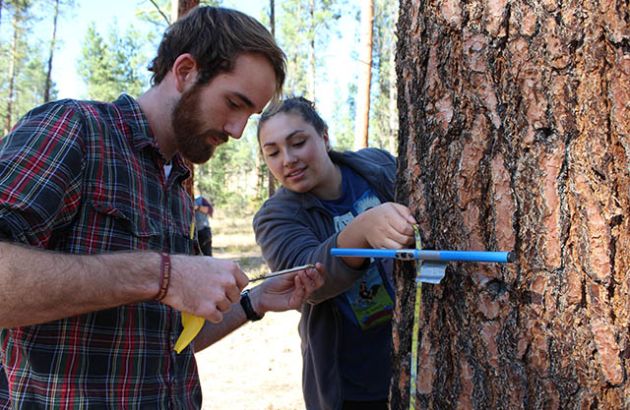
(38,286)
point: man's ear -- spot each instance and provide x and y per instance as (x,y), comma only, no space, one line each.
(185,71)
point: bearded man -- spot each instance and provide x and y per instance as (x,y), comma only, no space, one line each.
(96,258)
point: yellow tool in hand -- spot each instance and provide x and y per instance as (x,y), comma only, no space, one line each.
(193,324)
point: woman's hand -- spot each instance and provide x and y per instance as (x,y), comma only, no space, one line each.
(387,226)
(287,292)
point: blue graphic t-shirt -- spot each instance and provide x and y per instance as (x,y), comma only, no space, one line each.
(366,308)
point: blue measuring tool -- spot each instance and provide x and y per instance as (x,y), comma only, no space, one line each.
(430,268)
(426,255)
(433,261)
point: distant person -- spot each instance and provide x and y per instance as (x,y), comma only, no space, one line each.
(96,256)
(203,212)
(332,199)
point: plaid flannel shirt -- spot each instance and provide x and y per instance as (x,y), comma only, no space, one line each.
(86,178)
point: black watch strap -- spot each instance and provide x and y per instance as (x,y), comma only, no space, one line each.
(246,303)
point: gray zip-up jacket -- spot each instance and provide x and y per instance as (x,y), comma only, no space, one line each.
(294,229)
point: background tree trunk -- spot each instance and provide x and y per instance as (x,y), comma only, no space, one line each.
(53,42)
(13,65)
(514,122)
(271,181)
(362,118)
(179,9)
(312,63)
(392,108)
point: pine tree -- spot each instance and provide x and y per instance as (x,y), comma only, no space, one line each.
(112,66)
(384,113)
(514,124)
(22,74)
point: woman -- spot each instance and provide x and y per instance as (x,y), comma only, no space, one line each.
(331,199)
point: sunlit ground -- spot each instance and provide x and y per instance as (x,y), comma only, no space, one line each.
(257,367)
(233,238)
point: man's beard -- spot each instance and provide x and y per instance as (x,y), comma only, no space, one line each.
(190,136)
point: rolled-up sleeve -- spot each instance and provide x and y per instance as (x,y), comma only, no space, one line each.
(41,163)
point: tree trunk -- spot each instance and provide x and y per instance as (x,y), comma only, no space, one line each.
(179,9)
(362,118)
(53,42)
(312,69)
(392,96)
(272,18)
(13,63)
(514,124)
(271,181)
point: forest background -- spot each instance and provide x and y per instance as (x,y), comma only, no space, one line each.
(321,38)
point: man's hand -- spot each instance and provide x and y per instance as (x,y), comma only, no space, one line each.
(204,286)
(275,294)
(288,291)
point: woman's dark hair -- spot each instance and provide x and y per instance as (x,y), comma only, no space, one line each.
(295,105)
(215,37)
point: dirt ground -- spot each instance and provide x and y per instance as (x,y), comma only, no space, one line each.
(257,367)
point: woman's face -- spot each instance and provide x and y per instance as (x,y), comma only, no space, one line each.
(296,154)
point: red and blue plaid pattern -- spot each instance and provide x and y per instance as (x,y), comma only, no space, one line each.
(87,178)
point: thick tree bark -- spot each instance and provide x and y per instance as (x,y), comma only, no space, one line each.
(362,117)
(514,122)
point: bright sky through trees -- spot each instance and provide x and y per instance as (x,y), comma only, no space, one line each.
(339,65)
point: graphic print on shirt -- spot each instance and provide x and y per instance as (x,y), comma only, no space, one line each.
(368,302)
(342,221)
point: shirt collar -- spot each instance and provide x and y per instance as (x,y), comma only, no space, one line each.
(135,119)
(141,134)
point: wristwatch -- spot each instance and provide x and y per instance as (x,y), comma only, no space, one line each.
(246,303)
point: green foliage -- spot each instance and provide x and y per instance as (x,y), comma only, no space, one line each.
(229,178)
(304,34)
(21,61)
(215,3)
(113,65)
(383,127)
(31,87)
(158,13)
(344,125)
(235,178)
